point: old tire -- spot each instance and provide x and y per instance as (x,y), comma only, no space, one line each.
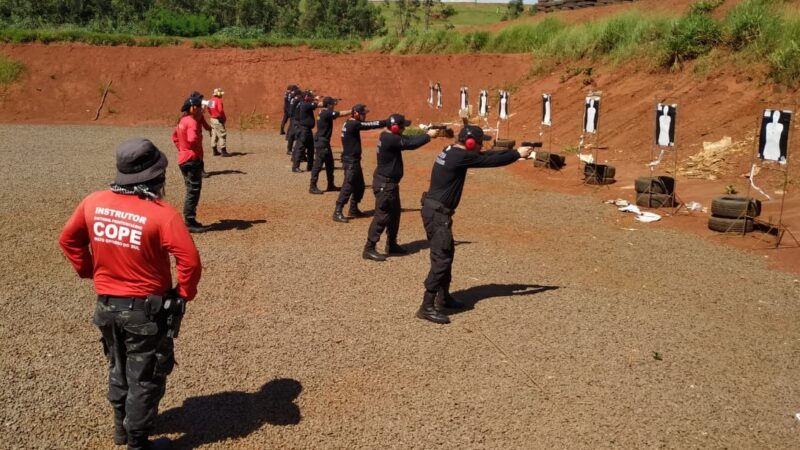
(727,224)
(599,171)
(505,143)
(656,185)
(652,200)
(734,207)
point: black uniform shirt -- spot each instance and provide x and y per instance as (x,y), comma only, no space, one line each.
(292,105)
(450,171)
(390,157)
(351,136)
(304,114)
(287,100)
(325,123)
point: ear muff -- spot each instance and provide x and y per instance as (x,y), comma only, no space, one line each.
(356,115)
(395,128)
(470,143)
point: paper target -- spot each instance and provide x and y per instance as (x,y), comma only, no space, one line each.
(773,141)
(504,105)
(665,124)
(591,114)
(464,97)
(483,104)
(546,108)
(438,95)
(430,94)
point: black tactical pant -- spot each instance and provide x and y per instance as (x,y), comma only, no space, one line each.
(323,155)
(290,139)
(438,224)
(387,210)
(140,356)
(304,143)
(353,182)
(284,120)
(193,177)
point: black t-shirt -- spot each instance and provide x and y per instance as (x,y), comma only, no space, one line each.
(450,171)
(304,114)
(292,105)
(325,124)
(390,157)
(287,100)
(351,136)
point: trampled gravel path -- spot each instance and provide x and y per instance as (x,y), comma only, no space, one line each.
(587,330)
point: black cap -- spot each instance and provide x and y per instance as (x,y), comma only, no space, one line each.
(329,101)
(398,119)
(196,94)
(139,161)
(474,132)
(191,101)
(359,108)
(291,87)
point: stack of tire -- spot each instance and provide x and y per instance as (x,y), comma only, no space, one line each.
(549,160)
(733,214)
(599,173)
(655,192)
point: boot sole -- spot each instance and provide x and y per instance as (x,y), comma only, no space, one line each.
(431,319)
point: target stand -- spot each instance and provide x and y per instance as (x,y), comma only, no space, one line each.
(665,144)
(590,136)
(772,154)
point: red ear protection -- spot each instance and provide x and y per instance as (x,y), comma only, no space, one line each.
(470,143)
(356,115)
(395,128)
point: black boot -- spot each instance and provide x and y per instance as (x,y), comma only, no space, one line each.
(314,190)
(216,152)
(446,301)
(120,434)
(354,211)
(140,443)
(428,312)
(225,152)
(194,226)
(297,170)
(393,248)
(338,216)
(371,253)
(332,188)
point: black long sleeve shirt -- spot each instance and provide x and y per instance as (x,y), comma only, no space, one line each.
(292,106)
(325,124)
(351,136)
(287,100)
(390,156)
(304,114)
(450,171)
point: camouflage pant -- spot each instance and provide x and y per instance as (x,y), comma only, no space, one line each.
(140,356)
(219,137)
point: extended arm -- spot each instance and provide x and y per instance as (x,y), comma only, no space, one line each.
(491,159)
(375,124)
(414,142)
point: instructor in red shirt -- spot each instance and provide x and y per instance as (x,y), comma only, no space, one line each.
(122,239)
(188,138)
(219,135)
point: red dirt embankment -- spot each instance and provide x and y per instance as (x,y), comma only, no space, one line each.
(64,84)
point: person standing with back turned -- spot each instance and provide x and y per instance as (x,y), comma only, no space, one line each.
(122,239)
(439,204)
(386,185)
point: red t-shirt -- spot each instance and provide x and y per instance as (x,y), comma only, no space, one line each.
(124,243)
(216,109)
(188,138)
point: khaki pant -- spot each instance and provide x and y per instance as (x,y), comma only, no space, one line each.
(219,137)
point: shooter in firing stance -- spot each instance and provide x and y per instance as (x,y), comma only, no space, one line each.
(439,204)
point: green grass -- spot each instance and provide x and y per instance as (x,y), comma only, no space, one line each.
(10,71)
(467,15)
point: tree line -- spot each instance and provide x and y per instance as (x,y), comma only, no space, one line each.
(290,18)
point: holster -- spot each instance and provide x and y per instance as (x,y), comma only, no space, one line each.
(152,305)
(174,308)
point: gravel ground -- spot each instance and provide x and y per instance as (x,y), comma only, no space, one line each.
(587,330)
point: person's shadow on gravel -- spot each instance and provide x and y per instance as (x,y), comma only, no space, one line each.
(233,154)
(424,244)
(471,296)
(214,173)
(231,415)
(233,224)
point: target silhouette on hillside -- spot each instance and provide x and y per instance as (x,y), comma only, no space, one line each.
(546,110)
(665,124)
(464,99)
(591,114)
(483,104)
(504,114)
(773,141)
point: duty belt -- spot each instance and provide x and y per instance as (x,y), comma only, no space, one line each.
(383,179)
(131,303)
(439,207)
